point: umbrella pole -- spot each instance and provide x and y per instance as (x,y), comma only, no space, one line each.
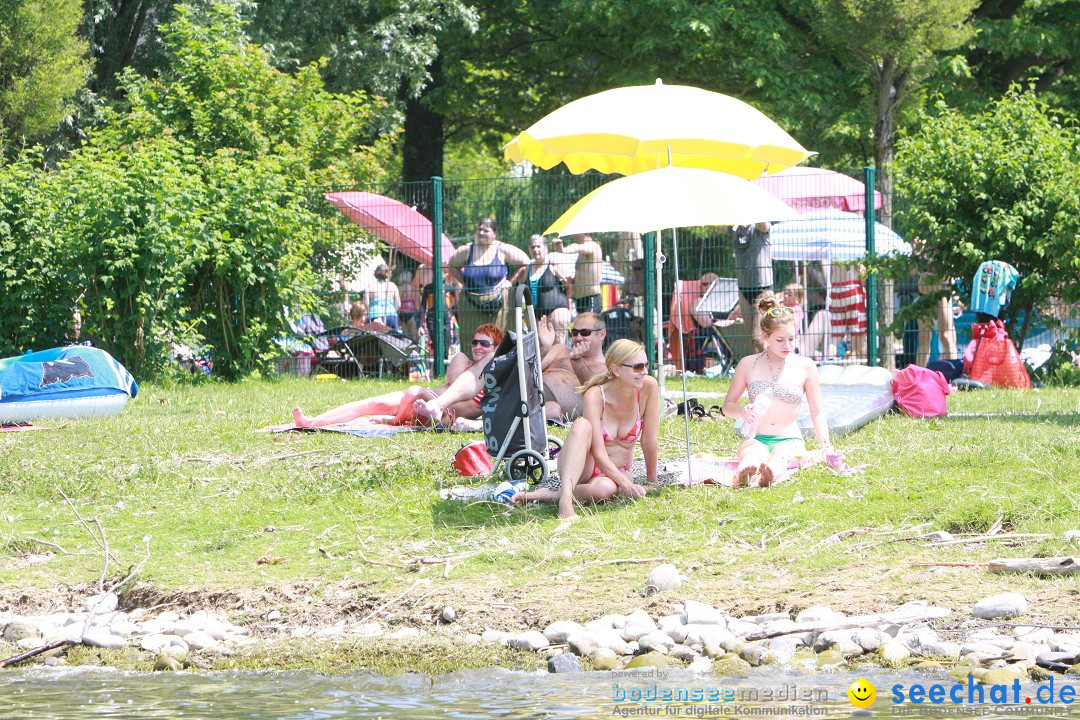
(682,352)
(658,295)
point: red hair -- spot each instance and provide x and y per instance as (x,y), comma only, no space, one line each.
(492,331)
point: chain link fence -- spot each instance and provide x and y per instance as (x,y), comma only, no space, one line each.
(485,235)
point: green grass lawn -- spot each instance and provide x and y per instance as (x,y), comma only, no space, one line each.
(340,520)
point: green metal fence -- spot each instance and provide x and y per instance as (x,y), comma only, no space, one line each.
(848,297)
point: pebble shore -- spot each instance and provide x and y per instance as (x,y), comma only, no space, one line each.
(694,634)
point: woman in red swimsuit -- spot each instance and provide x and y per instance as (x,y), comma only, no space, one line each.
(622,408)
(402,404)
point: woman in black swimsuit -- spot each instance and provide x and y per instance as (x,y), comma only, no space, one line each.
(545,282)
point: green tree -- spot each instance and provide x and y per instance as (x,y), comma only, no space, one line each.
(42,66)
(186,216)
(1003,184)
(1031,42)
(898,42)
(124,34)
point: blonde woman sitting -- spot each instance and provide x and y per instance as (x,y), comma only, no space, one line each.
(785,378)
(622,409)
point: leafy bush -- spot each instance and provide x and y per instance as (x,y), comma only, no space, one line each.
(185,217)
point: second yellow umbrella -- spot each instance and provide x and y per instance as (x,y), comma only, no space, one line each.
(671,197)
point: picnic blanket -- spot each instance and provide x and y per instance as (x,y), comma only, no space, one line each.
(21,427)
(706,469)
(709,469)
(487,490)
(375,426)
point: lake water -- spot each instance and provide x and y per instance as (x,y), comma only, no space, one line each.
(61,693)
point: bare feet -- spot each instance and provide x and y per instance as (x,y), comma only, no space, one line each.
(301,420)
(767,477)
(745,477)
(428,412)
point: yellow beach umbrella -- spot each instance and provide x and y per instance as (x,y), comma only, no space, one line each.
(671,197)
(633,129)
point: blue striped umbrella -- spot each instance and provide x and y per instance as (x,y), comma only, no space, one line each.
(831,235)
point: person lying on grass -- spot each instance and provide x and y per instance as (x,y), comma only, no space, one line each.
(622,408)
(560,396)
(785,379)
(402,404)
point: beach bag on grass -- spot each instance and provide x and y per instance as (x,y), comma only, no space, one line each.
(996,360)
(921,392)
(472,460)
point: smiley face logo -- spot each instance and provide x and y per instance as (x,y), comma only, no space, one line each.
(862,693)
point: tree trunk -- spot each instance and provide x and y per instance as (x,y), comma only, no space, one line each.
(424,141)
(889,91)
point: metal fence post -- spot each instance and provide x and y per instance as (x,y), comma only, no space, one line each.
(439,334)
(648,244)
(871,278)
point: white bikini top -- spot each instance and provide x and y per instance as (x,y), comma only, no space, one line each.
(788,393)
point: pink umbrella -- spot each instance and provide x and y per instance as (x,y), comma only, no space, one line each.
(808,189)
(393,222)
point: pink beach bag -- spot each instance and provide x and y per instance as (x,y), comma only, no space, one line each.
(920,392)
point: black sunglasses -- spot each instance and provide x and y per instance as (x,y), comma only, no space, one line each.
(637,367)
(584,332)
(482,343)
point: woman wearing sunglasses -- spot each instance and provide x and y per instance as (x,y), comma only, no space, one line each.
(622,409)
(775,381)
(402,404)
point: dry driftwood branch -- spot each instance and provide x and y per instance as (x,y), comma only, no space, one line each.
(52,545)
(89,616)
(986,538)
(947,564)
(36,651)
(380,562)
(1037,625)
(1039,566)
(388,603)
(620,561)
(100,544)
(895,617)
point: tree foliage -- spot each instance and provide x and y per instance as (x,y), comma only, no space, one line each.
(42,66)
(897,42)
(1003,184)
(186,217)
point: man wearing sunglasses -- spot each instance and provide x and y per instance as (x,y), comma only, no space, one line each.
(561,400)
(587,353)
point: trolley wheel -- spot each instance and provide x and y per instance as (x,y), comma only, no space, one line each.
(526,465)
(554,447)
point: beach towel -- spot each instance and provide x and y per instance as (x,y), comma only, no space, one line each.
(709,469)
(21,427)
(374,426)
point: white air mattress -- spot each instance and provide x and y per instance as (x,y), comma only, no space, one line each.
(853,395)
(97,406)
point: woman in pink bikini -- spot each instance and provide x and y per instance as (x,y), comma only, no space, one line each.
(622,408)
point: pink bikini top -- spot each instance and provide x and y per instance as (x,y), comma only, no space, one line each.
(634,432)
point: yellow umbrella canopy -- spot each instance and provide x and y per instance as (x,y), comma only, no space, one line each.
(671,197)
(630,130)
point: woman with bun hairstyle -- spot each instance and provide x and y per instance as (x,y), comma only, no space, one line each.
(784,378)
(622,408)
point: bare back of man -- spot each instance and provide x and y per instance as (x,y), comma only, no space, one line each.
(587,270)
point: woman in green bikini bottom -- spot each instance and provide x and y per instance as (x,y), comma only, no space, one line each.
(775,382)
